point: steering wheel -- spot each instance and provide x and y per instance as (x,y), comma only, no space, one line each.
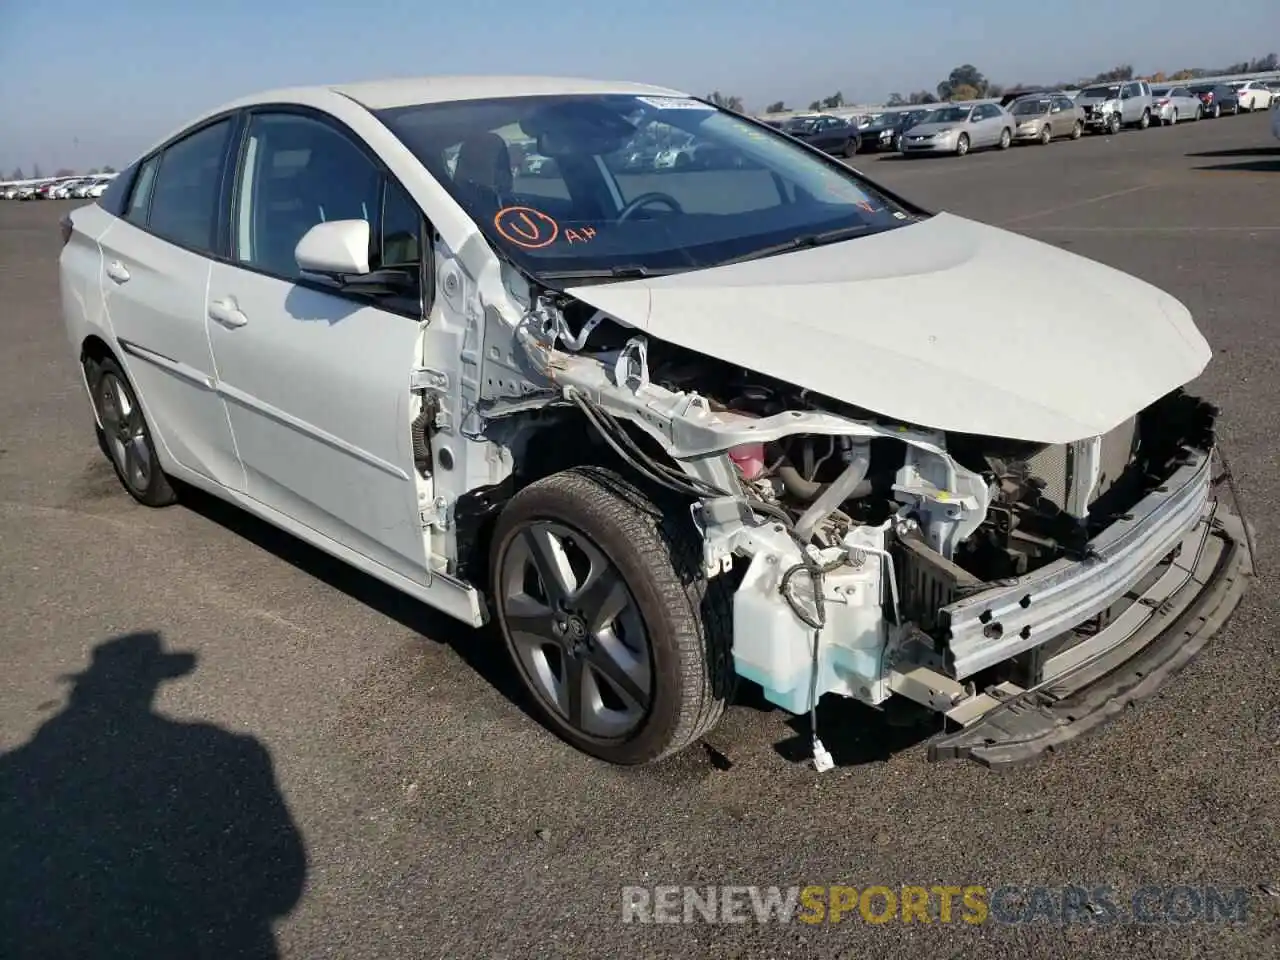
(647,198)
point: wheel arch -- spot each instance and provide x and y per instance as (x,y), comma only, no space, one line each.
(542,443)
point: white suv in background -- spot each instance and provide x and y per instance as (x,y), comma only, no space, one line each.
(1109,106)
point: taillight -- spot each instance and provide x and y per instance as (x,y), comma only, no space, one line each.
(65,226)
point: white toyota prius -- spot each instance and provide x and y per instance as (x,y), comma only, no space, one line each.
(751,417)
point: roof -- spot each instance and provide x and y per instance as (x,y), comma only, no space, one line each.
(404,91)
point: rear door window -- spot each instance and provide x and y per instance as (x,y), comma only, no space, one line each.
(184,202)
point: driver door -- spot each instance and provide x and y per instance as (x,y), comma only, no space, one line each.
(317,381)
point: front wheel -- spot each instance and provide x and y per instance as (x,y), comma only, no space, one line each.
(1113,124)
(962,145)
(851,148)
(622,642)
(1046,135)
(125,436)
(1006,138)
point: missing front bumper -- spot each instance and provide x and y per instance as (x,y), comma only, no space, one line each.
(1130,659)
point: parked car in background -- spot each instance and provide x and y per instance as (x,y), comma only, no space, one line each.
(879,131)
(1110,106)
(1275,123)
(1174,103)
(1253,95)
(1041,117)
(958,128)
(98,188)
(907,119)
(829,134)
(1014,95)
(1217,99)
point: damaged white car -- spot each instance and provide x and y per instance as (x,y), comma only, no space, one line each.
(669,428)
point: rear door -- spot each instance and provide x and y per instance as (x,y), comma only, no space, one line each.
(156,264)
(317,380)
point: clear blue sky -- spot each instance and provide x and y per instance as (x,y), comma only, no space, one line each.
(85,83)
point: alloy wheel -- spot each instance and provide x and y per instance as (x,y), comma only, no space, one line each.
(125,433)
(576,631)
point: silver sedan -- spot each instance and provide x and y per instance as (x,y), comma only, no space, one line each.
(1172,104)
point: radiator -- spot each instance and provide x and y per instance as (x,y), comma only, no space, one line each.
(1055,465)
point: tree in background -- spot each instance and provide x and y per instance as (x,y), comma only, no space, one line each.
(776,107)
(815,105)
(727,102)
(108,169)
(1122,72)
(964,91)
(966,75)
(35,171)
(921,96)
(896,100)
(835,100)
(17,174)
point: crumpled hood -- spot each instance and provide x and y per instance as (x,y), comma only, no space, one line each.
(947,323)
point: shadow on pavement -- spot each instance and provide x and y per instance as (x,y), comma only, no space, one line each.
(855,734)
(1241,152)
(482,650)
(124,833)
(1249,166)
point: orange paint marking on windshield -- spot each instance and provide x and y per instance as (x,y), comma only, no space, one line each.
(526,227)
(580,235)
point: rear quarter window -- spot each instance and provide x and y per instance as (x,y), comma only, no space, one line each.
(115,198)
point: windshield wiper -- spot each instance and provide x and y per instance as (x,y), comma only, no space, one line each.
(799,243)
(624,272)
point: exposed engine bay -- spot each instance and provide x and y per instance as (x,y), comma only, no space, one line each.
(868,557)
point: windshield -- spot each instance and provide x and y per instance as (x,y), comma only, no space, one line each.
(1101,93)
(949,115)
(1030,108)
(632,183)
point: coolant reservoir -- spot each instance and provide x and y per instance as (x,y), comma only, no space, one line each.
(774,648)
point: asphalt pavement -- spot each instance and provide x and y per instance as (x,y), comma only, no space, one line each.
(339,769)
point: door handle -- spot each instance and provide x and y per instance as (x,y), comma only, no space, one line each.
(227,313)
(117,272)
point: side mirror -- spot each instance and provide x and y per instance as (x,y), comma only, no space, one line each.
(336,249)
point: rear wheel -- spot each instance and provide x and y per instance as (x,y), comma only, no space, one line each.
(851,148)
(1046,134)
(1217,110)
(126,438)
(1077,131)
(1145,120)
(616,633)
(1174,121)
(1199,112)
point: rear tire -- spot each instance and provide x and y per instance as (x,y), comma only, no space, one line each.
(1046,135)
(1217,110)
(125,436)
(851,148)
(1077,131)
(1145,120)
(640,620)
(1174,121)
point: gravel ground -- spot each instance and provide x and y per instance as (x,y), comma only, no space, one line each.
(342,771)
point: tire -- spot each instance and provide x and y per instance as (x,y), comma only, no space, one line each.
(1199,112)
(1077,131)
(1174,121)
(851,148)
(1217,110)
(125,436)
(1145,120)
(1113,124)
(1046,135)
(962,145)
(676,626)
(897,143)
(1006,138)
